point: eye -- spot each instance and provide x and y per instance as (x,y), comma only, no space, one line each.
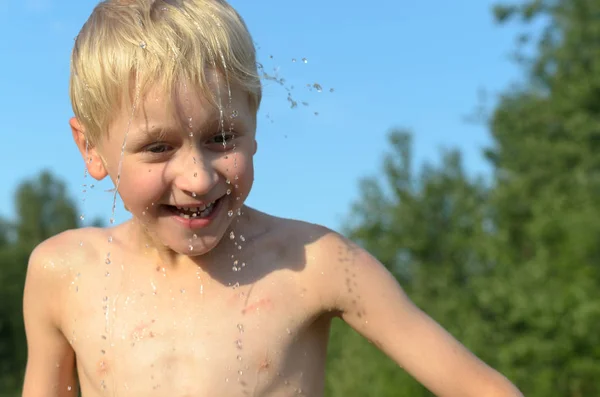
(223,139)
(158,148)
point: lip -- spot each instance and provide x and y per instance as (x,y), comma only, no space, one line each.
(197,223)
(194,205)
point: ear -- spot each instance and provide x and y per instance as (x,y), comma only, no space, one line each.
(93,160)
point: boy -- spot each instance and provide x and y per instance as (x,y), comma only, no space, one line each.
(199,295)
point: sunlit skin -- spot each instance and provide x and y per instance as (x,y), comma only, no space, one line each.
(236,306)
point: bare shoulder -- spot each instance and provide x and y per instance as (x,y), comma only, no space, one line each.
(53,262)
(57,253)
(324,259)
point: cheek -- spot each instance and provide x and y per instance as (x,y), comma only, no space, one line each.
(238,165)
(140,187)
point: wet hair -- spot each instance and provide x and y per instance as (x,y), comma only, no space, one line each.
(127,47)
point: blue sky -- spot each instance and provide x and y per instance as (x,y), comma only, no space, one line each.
(412,64)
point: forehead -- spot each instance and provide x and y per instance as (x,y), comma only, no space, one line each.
(186,104)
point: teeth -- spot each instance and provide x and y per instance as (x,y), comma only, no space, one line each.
(196,212)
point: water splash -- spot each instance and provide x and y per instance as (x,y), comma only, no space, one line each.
(124,145)
(274,76)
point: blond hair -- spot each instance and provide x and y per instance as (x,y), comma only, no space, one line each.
(132,45)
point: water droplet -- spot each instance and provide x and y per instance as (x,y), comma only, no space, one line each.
(91,186)
(143,45)
(331,89)
(107,261)
(69,388)
(239,357)
(238,343)
(195,236)
(81,243)
(195,174)
(107,274)
(110,239)
(182,290)
(289,331)
(234,113)
(194,194)
(240,328)
(112,221)
(294,60)
(230,213)
(304,60)
(242,237)
(231,235)
(318,87)
(82,217)
(236,285)
(191,247)
(228,182)
(228,192)
(240,372)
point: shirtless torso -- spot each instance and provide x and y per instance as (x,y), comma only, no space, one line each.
(137,328)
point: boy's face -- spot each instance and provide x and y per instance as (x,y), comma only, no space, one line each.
(184,155)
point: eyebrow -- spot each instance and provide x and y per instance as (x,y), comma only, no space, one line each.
(155,133)
(161,132)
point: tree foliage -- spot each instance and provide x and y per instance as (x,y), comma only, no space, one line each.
(511,269)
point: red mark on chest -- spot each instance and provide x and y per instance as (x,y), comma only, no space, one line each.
(265,363)
(102,367)
(142,329)
(264,304)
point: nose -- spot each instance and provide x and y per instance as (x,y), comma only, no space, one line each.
(196,175)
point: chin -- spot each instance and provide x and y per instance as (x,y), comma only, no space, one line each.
(197,247)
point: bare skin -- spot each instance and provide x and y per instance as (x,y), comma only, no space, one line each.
(132,327)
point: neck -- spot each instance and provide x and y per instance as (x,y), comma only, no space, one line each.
(243,227)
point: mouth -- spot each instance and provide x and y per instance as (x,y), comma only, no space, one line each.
(201,211)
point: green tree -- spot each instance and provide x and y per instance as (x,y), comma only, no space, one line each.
(546,135)
(43,209)
(512,269)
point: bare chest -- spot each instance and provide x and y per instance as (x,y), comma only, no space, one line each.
(193,340)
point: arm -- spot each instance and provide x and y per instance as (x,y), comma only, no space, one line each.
(50,368)
(370,300)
